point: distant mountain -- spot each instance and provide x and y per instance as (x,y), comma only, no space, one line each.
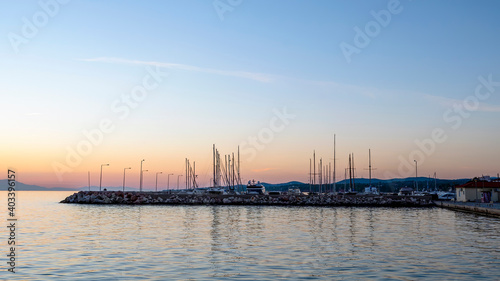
(27,187)
(114,188)
(283,184)
(361,183)
(401,180)
(390,185)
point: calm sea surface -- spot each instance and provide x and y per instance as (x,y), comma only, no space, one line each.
(91,242)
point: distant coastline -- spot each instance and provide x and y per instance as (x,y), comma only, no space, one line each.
(28,187)
(385,185)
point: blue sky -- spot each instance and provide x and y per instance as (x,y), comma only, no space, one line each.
(228,76)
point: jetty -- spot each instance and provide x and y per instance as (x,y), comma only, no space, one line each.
(488,209)
(324,199)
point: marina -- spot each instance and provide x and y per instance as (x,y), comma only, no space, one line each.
(227,189)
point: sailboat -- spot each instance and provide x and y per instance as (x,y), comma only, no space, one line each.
(352,189)
(370,189)
(216,189)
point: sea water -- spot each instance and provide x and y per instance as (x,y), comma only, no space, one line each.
(115,242)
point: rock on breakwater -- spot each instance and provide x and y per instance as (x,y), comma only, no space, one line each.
(138,198)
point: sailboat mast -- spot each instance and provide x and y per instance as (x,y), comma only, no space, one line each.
(334,160)
(353,174)
(350,173)
(320,168)
(345,179)
(310,176)
(219,171)
(233,172)
(329,176)
(225,170)
(435,186)
(370,165)
(239,178)
(314,169)
(213,167)
(326,178)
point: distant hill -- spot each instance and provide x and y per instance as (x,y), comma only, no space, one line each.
(114,188)
(27,187)
(389,185)
(405,180)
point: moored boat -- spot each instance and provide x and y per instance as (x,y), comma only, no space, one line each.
(255,188)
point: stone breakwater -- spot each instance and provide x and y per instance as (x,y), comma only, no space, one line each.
(164,198)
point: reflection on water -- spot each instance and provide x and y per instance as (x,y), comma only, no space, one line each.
(92,242)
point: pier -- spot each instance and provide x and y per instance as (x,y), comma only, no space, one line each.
(166,198)
(489,209)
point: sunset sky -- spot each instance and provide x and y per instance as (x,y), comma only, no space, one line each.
(85,83)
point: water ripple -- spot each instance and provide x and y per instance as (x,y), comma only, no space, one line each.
(90,242)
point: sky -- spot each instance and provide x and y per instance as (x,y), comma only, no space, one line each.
(86,83)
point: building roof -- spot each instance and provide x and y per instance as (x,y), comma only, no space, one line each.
(480,184)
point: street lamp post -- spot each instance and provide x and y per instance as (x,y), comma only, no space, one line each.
(143,177)
(156,185)
(475,184)
(100,179)
(178,180)
(168,181)
(140,177)
(416,175)
(124,177)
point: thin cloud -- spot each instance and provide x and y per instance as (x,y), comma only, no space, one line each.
(489,108)
(261,77)
(346,89)
(328,86)
(449,102)
(446,102)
